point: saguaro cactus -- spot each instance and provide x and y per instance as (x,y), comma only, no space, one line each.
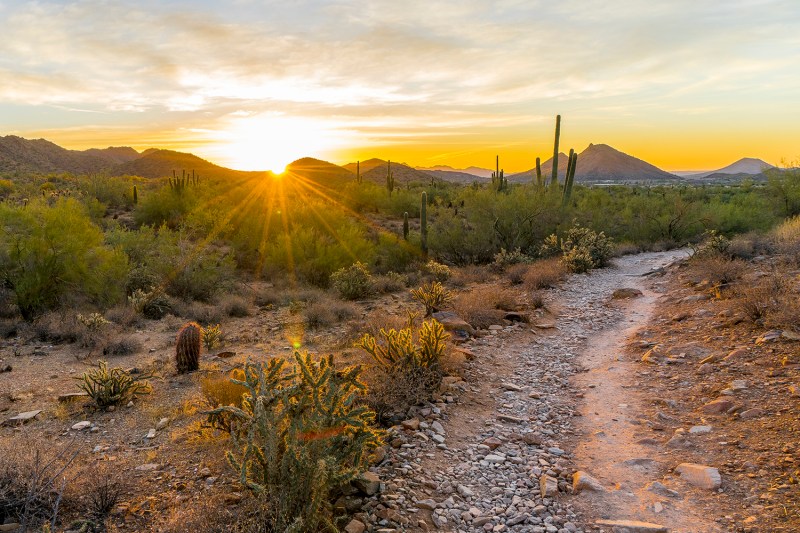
(187,348)
(358,171)
(539,182)
(554,178)
(405,225)
(423,223)
(570,179)
(135,196)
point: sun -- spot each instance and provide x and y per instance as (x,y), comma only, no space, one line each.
(271,141)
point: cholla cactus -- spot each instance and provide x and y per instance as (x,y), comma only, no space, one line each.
(93,322)
(433,296)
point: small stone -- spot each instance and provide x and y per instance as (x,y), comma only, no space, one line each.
(705,477)
(428,505)
(70,396)
(162,423)
(355,526)
(495,458)
(148,467)
(437,427)
(582,480)
(151,433)
(769,336)
(738,353)
(659,488)
(699,430)
(493,443)
(80,426)
(512,419)
(626,292)
(751,413)
(720,405)
(368,483)
(22,418)
(548,486)
(495,327)
(412,424)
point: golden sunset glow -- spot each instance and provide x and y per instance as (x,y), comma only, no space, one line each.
(689,85)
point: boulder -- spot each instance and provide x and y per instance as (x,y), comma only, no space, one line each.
(582,480)
(368,483)
(720,405)
(453,322)
(626,292)
(705,477)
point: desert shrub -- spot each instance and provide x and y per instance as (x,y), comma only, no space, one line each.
(713,244)
(408,367)
(544,273)
(787,237)
(123,315)
(433,296)
(485,306)
(717,270)
(58,328)
(327,313)
(153,305)
(101,489)
(584,249)
(32,485)
(122,346)
(235,306)
(439,271)
(504,259)
(626,248)
(221,391)
(537,300)
(770,296)
(353,282)
(389,283)
(6,187)
(467,274)
(93,322)
(212,336)
(516,273)
(299,435)
(164,207)
(113,387)
(52,254)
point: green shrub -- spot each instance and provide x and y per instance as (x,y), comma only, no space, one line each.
(113,387)
(299,435)
(504,258)
(52,254)
(713,244)
(433,296)
(353,282)
(583,249)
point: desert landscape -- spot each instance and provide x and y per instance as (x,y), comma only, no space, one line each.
(258,274)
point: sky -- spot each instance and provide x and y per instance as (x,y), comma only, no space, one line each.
(253,85)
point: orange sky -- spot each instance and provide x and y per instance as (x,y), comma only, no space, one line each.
(685,85)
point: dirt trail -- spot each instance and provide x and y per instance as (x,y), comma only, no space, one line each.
(612,429)
(538,402)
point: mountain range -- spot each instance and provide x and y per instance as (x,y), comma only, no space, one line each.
(598,163)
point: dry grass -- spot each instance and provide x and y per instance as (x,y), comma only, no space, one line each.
(716,270)
(467,275)
(235,306)
(544,274)
(516,273)
(126,345)
(326,313)
(486,305)
(389,283)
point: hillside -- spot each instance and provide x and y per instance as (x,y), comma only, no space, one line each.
(600,162)
(475,171)
(319,171)
(745,166)
(114,154)
(375,170)
(161,163)
(453,176)
(40,155)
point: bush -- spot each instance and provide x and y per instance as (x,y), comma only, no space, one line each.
(113,387)
(221,391)
(354,282)
(439,271)
(485,306)
(52,254)
(122,346)
(389,283)
(326,313)
(582,249)
(299,435)
(713,244)
(716,269)
(433,296)
(516,273)
(544,274)
(408,370)
(153,305)
(504,259)
(235,306)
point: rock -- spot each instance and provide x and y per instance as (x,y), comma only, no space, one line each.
(412,424)
(80,426)
(495,327)
(162,423)
(148,467)
(71,396)
(355,526)
(737,354)
(659,488)
(495,458)
(632,526)
(516,316)
(437,427)
(699,430)
(511,387)
(626,292)
(12,526)
(791,335)
(548,486)
(582,480)
(720,405)
(453,322)
(226,355)
(22,418)
(705,477)
(738,385)
(493,442)
(545,325)
(769,336)
(428,505)
(151,433)
(751,413)
(512,419)
(368,483)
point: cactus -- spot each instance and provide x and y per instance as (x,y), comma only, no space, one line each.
(135,196)
(389,178)
(405,225)
(539,182)
(570,179)
(498,178)
(187,348)
(358,171)
(554,178)
(423,223)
